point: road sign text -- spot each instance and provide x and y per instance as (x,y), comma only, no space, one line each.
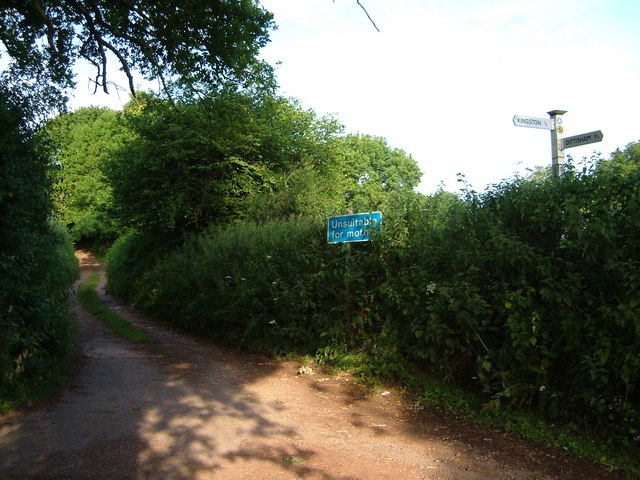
(353,228)
(532,122)
(584,139)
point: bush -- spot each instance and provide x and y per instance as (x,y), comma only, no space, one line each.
(526,293)
(128,260)
(534,297)
(245,286)
(37,266)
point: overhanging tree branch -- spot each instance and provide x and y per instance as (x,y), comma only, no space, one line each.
(102,44)
(205,45)
(37,7)
(368,16)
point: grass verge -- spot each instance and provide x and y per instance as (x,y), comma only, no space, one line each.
(89,298)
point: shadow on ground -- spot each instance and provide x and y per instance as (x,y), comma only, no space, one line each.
(172,409)
(181,408)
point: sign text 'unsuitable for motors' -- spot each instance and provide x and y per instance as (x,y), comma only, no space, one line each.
(353,228)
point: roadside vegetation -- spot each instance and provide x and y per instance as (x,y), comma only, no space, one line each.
(514,307)
(37,266)
(522,299)
(210,46)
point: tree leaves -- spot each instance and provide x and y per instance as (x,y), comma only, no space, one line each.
(195,45)
(37,265)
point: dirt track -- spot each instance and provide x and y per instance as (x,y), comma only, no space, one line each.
(182,408)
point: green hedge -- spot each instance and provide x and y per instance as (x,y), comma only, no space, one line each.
(531,293)
(37,266)
(527,292)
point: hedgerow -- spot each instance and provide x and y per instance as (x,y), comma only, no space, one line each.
(526,293)
(37,266)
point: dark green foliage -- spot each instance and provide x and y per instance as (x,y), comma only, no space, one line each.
(534,296)
(128,259)
(191,165)
(239,286)
(195,43)
(175,175)
(37,266)
(80,144)
(526,293)
(277,286)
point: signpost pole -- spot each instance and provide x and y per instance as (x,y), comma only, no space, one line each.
(557,149)
(558,145)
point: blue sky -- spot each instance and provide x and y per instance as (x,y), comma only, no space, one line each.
(443,80)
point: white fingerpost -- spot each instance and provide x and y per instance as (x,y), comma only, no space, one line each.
(557,147)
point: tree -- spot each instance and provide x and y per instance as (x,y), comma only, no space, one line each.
(212,42)
(375,170)
(189,165)
(81,143)
(356,172)
(628,160)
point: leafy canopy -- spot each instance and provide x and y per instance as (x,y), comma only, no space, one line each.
(196,43)
(189,165)
(80,144)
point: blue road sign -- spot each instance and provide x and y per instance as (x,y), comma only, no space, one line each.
(353,228)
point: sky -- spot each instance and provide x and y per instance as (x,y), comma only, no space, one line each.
(443,80)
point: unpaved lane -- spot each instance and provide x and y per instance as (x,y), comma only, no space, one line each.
(181,408)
